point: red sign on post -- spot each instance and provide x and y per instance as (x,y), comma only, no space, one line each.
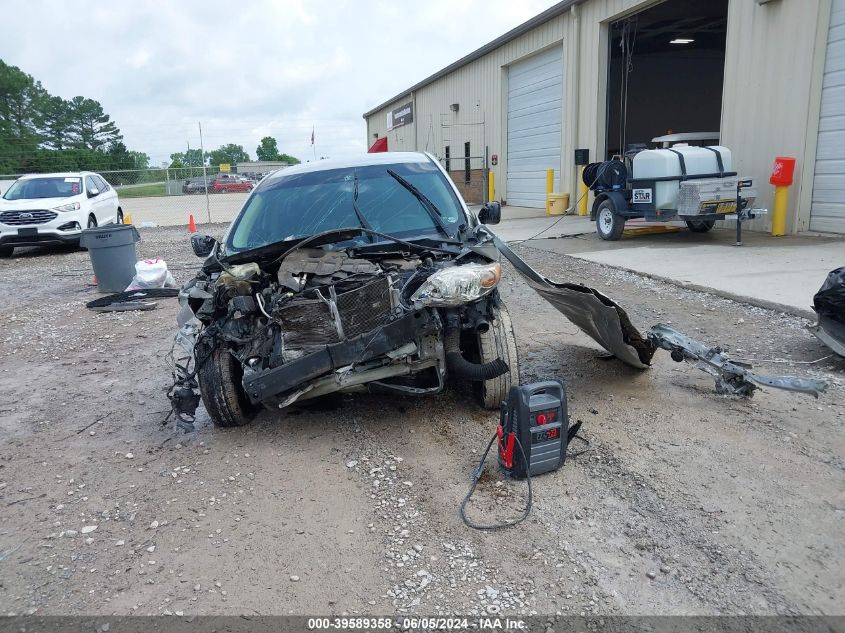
(783,171)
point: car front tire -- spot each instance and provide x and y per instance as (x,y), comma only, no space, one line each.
(6,251)
(498,341)
(222,393)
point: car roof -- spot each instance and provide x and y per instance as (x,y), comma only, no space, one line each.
(361,160)
(60,174)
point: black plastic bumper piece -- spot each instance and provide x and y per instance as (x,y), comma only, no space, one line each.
(272,382)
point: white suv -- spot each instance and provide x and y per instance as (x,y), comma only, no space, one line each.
(54,208)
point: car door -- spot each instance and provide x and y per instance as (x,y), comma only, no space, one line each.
(97,203)
(109,196)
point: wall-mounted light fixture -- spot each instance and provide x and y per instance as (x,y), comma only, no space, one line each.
(454,107)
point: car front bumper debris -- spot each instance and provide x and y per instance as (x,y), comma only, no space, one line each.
(731,377)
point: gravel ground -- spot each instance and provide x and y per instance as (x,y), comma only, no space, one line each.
(686,502)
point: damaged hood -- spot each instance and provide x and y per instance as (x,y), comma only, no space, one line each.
(597,315)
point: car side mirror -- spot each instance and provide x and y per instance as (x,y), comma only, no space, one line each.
(203,245)
(93,192)
(491,213)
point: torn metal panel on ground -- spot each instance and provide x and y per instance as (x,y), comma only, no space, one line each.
(598,316)
(608,324)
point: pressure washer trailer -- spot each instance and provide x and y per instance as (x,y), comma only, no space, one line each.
(533,429)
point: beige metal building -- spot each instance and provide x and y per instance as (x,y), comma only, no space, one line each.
(608,75)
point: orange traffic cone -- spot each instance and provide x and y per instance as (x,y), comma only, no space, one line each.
(192,225)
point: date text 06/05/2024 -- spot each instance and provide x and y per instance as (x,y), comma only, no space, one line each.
(417,623)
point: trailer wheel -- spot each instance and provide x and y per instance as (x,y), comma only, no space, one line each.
(700,226)
(609,224)
(222,393)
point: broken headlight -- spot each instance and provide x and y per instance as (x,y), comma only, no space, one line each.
(458,285)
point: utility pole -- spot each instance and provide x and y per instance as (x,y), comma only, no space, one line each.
(204,174)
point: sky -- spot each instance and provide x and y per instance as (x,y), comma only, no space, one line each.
(246,70)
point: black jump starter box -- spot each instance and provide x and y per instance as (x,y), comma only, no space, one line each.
(534,417)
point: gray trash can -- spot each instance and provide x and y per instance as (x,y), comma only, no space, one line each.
(112,252)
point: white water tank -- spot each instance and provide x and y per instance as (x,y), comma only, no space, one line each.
(663,163)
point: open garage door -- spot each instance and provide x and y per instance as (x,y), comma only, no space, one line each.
(827,213)
(666,73)
(535,115)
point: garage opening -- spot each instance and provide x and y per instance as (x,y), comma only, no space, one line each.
(665,74)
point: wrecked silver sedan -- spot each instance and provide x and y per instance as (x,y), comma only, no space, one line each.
(366,274)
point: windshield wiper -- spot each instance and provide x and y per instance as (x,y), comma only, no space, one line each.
(361,218)
(429,206)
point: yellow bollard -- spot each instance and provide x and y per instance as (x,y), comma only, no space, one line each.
(491,186)
(781,178)
(582,192)
(550,187)
(779,214)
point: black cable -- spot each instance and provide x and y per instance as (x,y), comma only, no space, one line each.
(476,475)
(565,213)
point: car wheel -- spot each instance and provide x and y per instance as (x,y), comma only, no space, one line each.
(223,395)
(224,190)
(498,341)
(700,226)
(609,224)
(119,215)
(92,222)
(6,251)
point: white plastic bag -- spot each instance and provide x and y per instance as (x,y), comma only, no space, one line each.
(151,273)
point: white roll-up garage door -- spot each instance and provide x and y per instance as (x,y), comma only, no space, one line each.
(535,115)
(828,209)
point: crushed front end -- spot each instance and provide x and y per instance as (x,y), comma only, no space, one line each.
(323,320)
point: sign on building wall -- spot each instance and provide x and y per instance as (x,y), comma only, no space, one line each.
(400,116)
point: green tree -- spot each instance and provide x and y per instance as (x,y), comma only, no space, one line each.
(141,160)
(20,100)
(268,149)
(190,158)
(41,132)
(90,127)
(55,122)
(290,160)
(229,153)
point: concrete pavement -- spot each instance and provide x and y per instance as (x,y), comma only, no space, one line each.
(779,273)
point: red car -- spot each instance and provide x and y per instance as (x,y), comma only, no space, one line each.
(225,185)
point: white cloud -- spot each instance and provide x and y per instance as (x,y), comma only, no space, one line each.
(247,70)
